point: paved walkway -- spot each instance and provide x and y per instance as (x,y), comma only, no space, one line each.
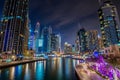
(86,74)
(5,64)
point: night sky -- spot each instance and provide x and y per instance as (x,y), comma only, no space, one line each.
(65,16)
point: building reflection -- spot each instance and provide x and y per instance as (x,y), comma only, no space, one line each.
(26,68)
(12,73)
(34,66)
(0,72)
(51,69)
(59,63)
(40,70)
(44,65)
(27,72)
(67,70)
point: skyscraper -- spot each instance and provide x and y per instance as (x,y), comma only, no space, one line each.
(82,40)
(109,23)
(55,43)
(58,42)
(92,40)
(15,26)
(77,45)
(1,32)
(46,32)
(37,37)
(37,30)
(31,37)
(67,48)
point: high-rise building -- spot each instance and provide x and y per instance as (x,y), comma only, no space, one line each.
(37,30)
(31,38)
(38,42)
(1,32)
(55,43)
(73,49)
(46,32)
(77,45)
(15,26)
(82,40)
(58,43)
(92,40)
(109,23)
(67,48)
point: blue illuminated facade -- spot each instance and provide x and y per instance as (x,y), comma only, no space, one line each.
(31,38)
(46,32)
(37,39)
(14,27)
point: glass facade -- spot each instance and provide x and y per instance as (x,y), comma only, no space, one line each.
(15,26)
(109,23)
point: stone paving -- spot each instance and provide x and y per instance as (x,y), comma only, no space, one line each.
(86,74)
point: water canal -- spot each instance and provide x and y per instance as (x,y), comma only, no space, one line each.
(51,69)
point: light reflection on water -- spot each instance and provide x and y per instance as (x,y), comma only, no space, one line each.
(52,69)
(12,72)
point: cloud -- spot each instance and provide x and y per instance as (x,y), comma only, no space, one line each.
(65,15)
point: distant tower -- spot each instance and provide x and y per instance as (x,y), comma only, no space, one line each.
(67,48)
(46,32)
(92,40)
(55,42)
(59,42)
(77,45)
(37,30)
(82,40)
(37,38)
(109,23)
(15,29)
(50,30)
(31,37)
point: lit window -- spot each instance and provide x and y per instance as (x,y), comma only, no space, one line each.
(103,32)
(100,17)
(108,4)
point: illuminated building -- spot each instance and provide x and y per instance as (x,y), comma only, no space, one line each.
(67,48)
(77,45)
(73,49)
(55,43)
(1,33)
(46,32)
(31,38)
(92,40)
(15,26)
(37,39)
(37,30)
(82,40)
(109,23)
(58,43)
(100,43)
(113,50)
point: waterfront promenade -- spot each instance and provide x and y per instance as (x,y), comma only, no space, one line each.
(84,73)
(13,63)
